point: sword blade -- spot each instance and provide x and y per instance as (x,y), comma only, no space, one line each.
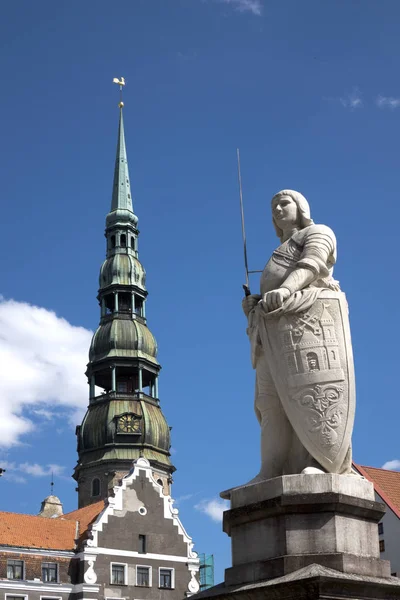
(245,287)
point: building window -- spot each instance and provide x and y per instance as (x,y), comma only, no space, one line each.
(15,569)
(142,544)
(166,578)
(10,597)
(132,243)
(113,241)
(122,386)
(123,240)
(96,487)
(118,574)
(381,545)
(49,572)
(380,528)
(143,576)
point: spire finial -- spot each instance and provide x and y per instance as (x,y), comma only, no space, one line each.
(52,483)
(121,83)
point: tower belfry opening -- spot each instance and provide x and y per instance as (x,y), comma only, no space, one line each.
(124,420)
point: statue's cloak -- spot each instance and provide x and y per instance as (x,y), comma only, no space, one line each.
(307,346)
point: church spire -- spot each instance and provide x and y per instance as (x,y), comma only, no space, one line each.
(121,195)
(124,420)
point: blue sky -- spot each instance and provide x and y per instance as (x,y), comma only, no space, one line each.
(310,93)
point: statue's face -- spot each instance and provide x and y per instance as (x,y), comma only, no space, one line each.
(285,212)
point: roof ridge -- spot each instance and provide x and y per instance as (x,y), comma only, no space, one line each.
(9,512)
(378,468)
(73,512)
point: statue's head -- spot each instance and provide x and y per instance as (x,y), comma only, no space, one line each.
(295,208)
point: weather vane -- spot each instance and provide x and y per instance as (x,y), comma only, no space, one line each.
(121,83)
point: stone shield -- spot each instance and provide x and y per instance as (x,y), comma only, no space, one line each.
(314,375)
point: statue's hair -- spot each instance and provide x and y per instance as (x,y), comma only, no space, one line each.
(302,206)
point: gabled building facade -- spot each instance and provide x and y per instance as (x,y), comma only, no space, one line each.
(137,546)
(126,539)
(131,546)
(387,490)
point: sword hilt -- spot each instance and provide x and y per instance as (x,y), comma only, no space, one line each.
(246,290)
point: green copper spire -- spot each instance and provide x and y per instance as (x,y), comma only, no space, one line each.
(121,195)
(124,419)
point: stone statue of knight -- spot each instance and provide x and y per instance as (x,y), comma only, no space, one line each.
(301,349)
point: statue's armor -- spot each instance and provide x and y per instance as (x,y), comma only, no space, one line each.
(313,247)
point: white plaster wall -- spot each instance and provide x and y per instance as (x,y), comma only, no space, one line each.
(391,535)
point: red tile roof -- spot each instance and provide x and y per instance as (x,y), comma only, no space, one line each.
(386,484)
(29,531)
(85,516)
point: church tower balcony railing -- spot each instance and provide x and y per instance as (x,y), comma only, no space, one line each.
(136,395)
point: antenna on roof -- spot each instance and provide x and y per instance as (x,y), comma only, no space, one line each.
(52,483)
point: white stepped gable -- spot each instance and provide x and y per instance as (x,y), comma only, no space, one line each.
(115,503)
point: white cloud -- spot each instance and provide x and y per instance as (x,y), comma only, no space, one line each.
(183,498)
(4,464)
(252,6)
(387,102)
(39,470)
(43,359)
(14,478)
(213,508)
(48,415)
(352,100)
(392,465)
(13,470)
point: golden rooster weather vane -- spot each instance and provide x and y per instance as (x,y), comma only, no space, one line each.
(121,83)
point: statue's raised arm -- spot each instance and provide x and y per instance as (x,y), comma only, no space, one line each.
(301,349)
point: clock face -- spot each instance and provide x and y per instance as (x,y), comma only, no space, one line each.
(128,424)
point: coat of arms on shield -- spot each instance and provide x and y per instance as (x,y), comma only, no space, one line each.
(320,390)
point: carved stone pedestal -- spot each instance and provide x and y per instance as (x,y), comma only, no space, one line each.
(284,524)
(305,536)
